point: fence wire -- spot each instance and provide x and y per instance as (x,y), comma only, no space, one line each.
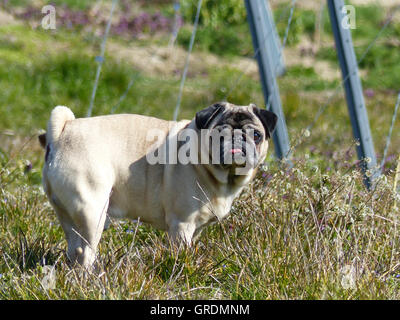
(389,136)
(289,23)
(100,59)
(185,69)
(337,89)
(266,38)
(322,108)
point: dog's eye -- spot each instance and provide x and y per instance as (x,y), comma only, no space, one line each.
(257,137)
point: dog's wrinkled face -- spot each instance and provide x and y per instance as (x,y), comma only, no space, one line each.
(237,135)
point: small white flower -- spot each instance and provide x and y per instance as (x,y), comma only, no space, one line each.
(348,277)
(49,280)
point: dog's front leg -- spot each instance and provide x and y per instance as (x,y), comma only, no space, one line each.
(182,232)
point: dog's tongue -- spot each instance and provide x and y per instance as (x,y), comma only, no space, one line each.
(233,151)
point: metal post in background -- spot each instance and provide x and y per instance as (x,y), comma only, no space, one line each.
(266,47)
(353,89)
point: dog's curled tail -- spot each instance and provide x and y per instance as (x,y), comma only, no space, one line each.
(59,116)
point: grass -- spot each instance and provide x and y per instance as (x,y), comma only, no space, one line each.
(295,234)
(310,232)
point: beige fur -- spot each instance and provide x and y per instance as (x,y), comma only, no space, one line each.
(97,167)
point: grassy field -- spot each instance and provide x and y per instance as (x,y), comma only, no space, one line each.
(309,232)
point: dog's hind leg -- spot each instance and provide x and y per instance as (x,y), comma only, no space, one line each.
(89,225)
(83,223)
(67,225)
(81,239)
(65,221)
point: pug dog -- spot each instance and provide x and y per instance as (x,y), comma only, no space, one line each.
(111,166)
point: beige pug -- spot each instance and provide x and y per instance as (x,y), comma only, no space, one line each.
(104,166)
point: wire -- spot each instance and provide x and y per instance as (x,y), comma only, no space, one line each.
(176,27)
(283,47)
(258,50)
(100,59)
(348,75)
(364,54)
(196,22)
(123,96)
(389,136)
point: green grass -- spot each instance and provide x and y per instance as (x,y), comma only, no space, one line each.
(293,234)
(288,238)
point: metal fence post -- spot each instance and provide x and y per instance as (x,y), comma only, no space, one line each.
(353,89)
(265,45)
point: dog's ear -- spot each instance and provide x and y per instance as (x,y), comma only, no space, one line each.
(42,140)
(205,116)
(268,119)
